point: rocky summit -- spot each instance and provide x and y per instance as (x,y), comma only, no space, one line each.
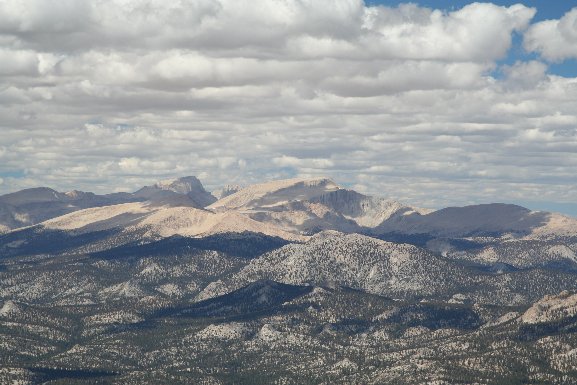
(296,281)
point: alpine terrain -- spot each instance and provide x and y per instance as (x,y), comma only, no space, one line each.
(295,281)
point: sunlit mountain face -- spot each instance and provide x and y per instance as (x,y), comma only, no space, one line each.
(161,285)
(288,192)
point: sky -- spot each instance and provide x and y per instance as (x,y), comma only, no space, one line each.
(433,103)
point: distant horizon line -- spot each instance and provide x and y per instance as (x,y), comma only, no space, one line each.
(564,208)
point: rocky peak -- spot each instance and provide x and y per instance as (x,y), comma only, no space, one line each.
(182,191)
(182,185)
(227,190)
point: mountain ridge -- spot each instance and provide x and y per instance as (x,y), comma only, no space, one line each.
(365,289)
(299,206)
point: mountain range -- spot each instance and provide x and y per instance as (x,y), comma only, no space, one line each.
(299,206)
(156,285)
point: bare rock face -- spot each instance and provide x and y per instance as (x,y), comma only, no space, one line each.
(184,185)
(187,190)
(551,308)
(307,206)
(9,308)
(227,190)
(365,210)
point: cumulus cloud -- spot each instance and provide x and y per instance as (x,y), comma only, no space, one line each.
(525,74)
(477,32)
(114,94)
(554,40)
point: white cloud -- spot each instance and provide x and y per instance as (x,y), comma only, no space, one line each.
(304,163)
(43,16)
(554,40)
(130,165)
(110,94)
(525,74)
(477,32)
(18,62)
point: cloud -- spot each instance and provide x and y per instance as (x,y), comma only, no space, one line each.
(554,40)
(114,94)
(303,163)
(43,16)
(525,74)
(19,62)
(477,32)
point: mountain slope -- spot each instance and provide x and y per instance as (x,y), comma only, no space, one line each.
(102,228)
(478,220)
(32,206)
(307,206)
(299,206)
(274,193)
(394,270)
(332,258)
(524,253)
(259,296)
(365,210)
(184,191)
(154,291)
(188,221)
